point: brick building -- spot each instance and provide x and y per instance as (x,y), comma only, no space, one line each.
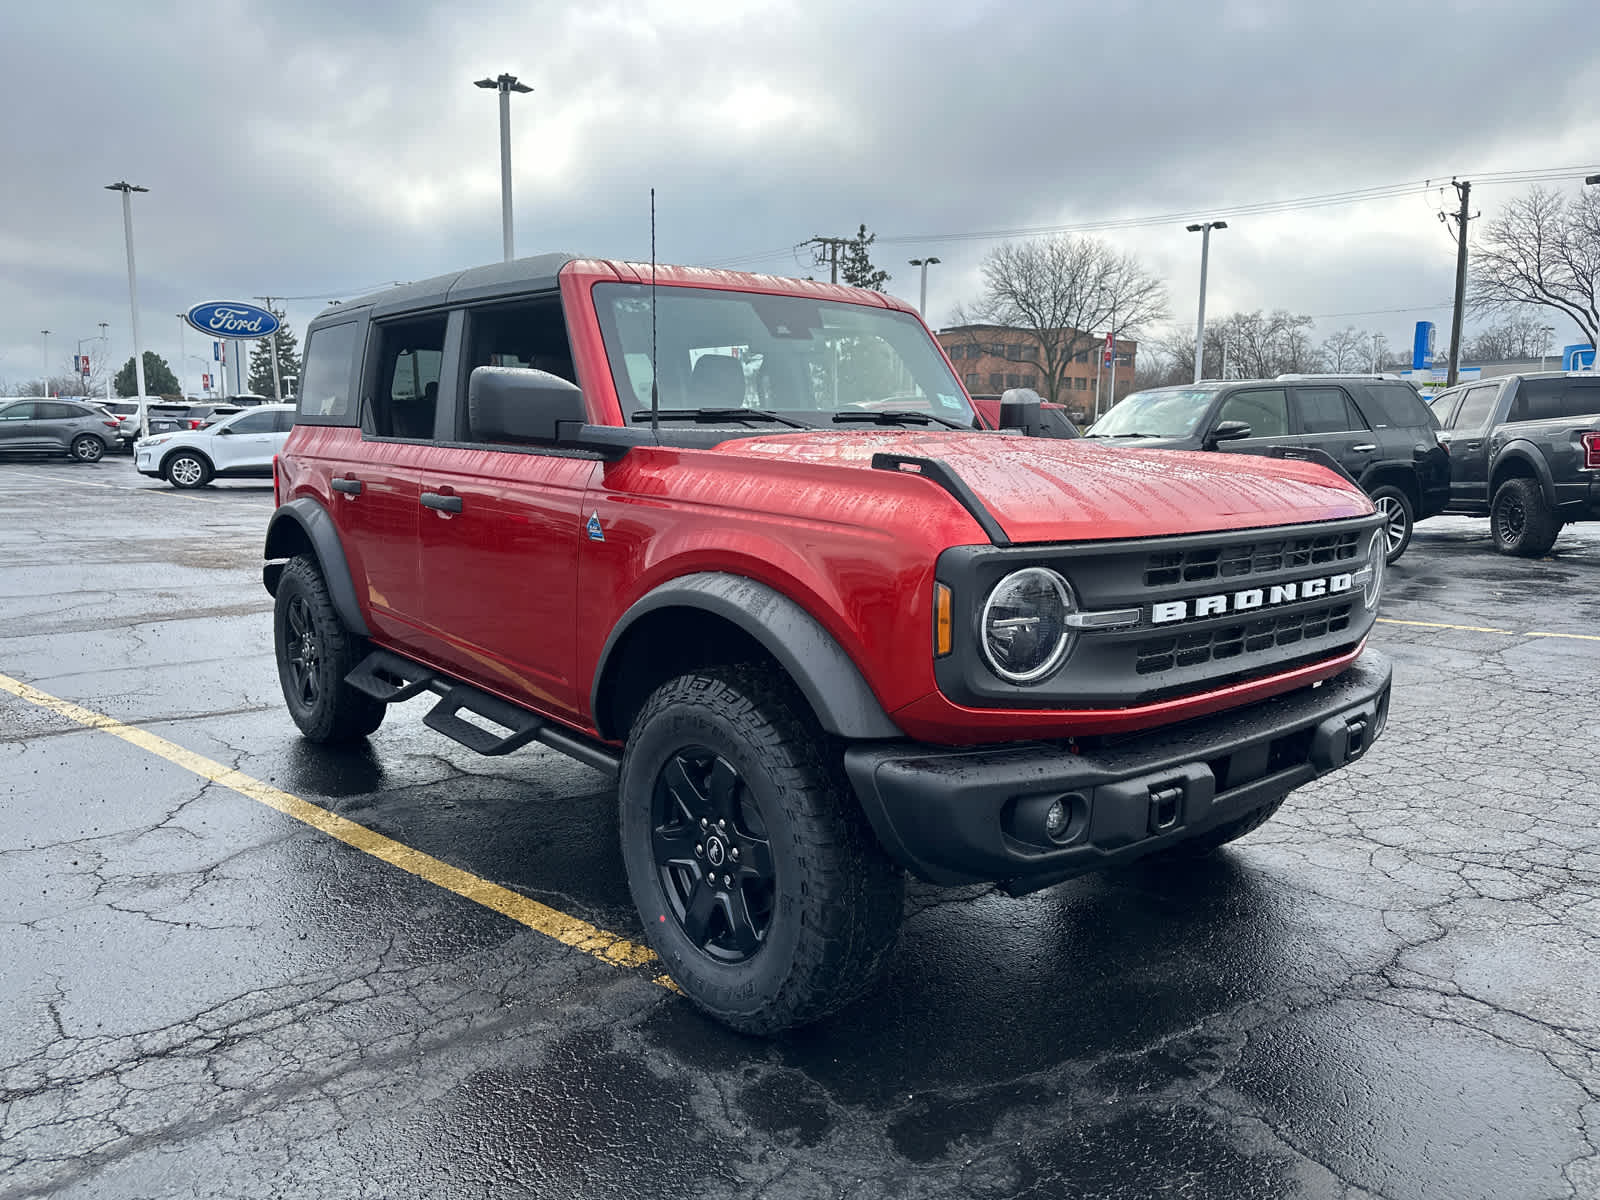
(991,358)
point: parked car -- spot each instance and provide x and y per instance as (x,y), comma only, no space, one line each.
(198,416)
(1376,430)
(239,446)
(1054,421)
(162,416)
(83,431)
(1525,452)
(824,630)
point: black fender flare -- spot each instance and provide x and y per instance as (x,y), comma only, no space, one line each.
(830,681)
(1523,450)
(314,522)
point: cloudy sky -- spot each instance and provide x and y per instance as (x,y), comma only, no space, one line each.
(310,149)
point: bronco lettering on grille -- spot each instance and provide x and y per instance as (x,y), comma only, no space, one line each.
(1222,603)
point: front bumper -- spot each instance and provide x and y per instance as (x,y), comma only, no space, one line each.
(954,816)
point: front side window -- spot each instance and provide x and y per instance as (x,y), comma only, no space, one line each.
(17,412)
(785,354)
(1265,410)
(1163,413)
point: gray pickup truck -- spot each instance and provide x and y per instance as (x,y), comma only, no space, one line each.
(1525,452)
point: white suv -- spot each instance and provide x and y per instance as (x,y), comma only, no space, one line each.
(241,446)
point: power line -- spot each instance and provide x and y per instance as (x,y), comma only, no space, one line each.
(1259,208)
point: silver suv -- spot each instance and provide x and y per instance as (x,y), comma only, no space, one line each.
(83,431)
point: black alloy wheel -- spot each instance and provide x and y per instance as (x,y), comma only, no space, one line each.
(302,654)
(1521,521)
(712,854)
(315,653)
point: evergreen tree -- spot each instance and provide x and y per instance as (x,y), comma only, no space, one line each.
(855,264)
(158,377)
(260,381)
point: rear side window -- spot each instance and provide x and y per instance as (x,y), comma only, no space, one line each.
(285,420)
(1265,410)
(1398,404)
(410,357)
(325,388)
(1326,410)
(1476,406)
(1555,399)
(256,422)
(50,411)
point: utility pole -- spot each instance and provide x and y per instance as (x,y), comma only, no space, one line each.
(1464,190)
(127,189)
(831,246)
(277,383)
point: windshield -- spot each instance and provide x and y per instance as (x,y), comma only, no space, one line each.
(1166,414)
(124,407)
(810,360)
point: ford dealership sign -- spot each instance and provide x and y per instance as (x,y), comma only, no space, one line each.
(219,319)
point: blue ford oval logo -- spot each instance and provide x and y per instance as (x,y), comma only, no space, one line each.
(222,319)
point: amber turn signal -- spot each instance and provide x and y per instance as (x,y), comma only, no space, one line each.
(941,620)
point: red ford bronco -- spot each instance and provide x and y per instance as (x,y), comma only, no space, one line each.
(743,542)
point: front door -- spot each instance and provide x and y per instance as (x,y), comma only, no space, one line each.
(1467,441)
(245,444)
(17,430)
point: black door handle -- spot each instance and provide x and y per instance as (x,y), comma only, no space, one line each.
(442,503)
(350,487)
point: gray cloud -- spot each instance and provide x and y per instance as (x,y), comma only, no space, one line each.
(305,148)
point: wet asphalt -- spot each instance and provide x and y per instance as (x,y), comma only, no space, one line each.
(1391,990)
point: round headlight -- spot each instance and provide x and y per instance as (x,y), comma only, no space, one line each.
(1025,633)
(1377,556)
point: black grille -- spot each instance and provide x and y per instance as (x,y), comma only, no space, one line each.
(1168,567)
(1230,641)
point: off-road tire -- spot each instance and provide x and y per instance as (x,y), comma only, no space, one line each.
(1399,519)
(835,898)
(315,652)
(187,469)
(1209,842)
(87,448)
(1521,521)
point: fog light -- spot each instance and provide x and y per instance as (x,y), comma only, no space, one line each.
(1055,821)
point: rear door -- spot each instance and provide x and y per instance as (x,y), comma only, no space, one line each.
(245,444)
(1327,418)
(1467,440)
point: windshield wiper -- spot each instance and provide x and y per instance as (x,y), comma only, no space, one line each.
(1112,435)
(898,416)
(709,416)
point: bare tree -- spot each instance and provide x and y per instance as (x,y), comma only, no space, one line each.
(1521,335)
(1543,249)
(1347,349)
(1060,291)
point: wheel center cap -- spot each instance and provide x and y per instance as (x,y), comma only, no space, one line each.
(716,852)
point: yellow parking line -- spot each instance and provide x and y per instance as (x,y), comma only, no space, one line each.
(541,918)
(1437,625)
(1577,637)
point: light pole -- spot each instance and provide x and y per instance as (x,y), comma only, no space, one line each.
(1544,346)
(127,189)
(44,386)
(1378,343)
(183,348)
(105,357)
(1204,230)
(506,84)
(924,263)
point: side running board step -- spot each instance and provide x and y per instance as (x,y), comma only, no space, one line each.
(388,677)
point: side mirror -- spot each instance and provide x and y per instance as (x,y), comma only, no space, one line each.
(1227,431)
(518,404)
(1019,410)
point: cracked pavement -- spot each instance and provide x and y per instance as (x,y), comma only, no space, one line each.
(1390,990)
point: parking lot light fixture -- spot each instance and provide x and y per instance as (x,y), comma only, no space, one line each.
(1204,230)
(505,84)
(127,189)
(44,383)
(1544,344)
(924,263)
(1591,180)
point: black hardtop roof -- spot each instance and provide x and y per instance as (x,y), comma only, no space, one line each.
(535,274)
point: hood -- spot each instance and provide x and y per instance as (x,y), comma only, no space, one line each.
(1046,490)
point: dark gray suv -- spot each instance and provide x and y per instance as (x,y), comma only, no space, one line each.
(1377,431)
(56,427)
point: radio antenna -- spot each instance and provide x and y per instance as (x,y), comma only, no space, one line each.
(655,392)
